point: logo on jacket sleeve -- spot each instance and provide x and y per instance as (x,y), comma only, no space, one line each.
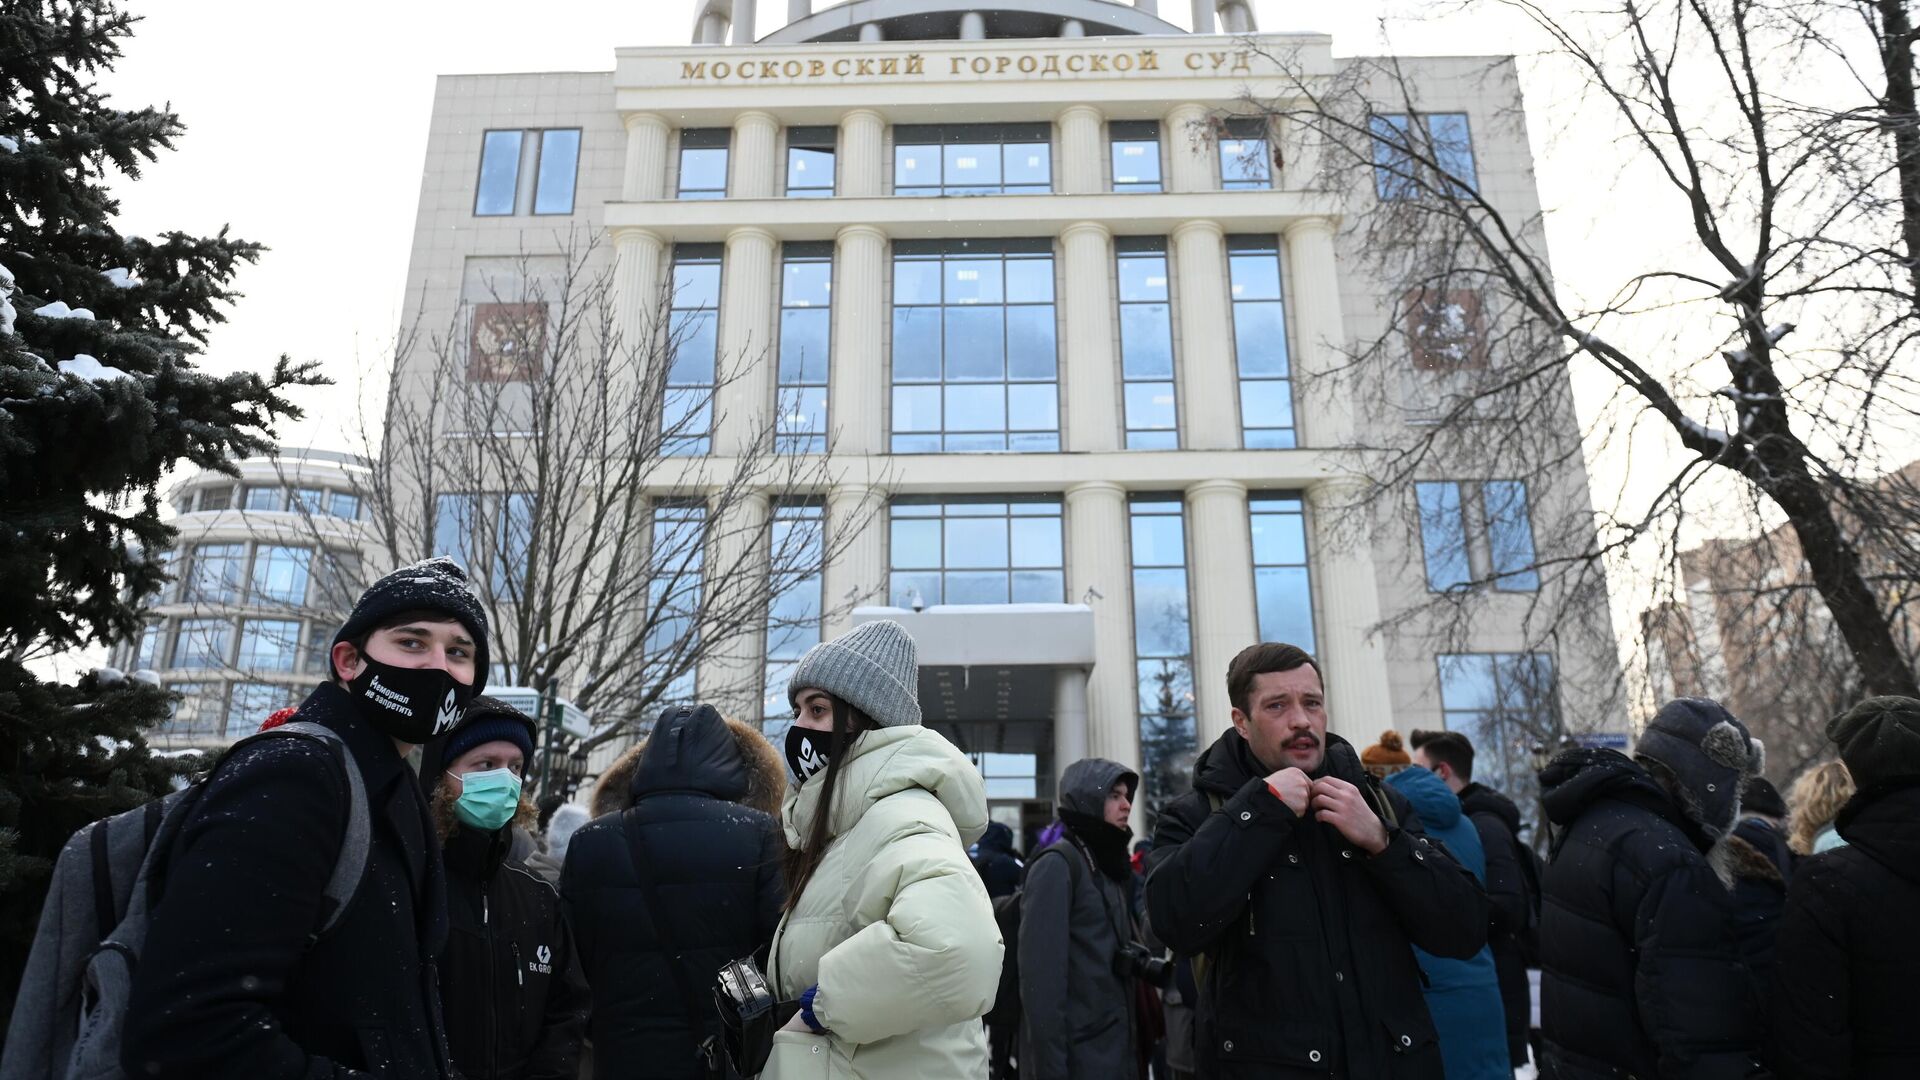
(542,964)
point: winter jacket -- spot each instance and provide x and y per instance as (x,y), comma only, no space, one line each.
(711,859)
(1462,995)
(1847,951)
(1497,820)
(1307,968)
(1079,1022)
(1640,973)
(894,927)
(1757,856)
(998,866)
(515,998)
(229,985)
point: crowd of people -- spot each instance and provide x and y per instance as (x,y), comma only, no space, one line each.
(1309,908)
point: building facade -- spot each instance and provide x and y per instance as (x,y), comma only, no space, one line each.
(1063,311)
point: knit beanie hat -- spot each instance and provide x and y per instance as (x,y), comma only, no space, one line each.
(1879,739)
(1708,754)
(1386,756)
(874,667)
(486,720)
(437,584)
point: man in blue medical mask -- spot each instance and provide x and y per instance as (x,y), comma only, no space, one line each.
(516,1002)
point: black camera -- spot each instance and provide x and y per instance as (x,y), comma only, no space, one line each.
(1136,961)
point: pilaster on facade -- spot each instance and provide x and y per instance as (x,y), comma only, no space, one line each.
(859,575)
(756,135)
(1099,575)
(1208,390)
(1070,712)
(856,385)
(1221,597)
(1190,165)
(1092,375)
(729,674)
(862,158)
(639,301)
(1081,171)
(1327,417)
(1353,658)
(747,361)
(645,175)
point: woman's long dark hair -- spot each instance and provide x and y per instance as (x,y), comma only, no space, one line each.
(801,862)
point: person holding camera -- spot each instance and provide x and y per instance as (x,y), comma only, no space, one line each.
(1079,956)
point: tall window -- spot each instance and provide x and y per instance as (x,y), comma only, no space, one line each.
(456,525)
(1505,704)
(499,173)
(344,504)
(250,703)
(1509,535)
(264,498)
(1163,649)
(1280,584)
(197,711)
(513,522)
(216,573)
(559,168)
(1246,157)
(1399,149)
(309,501)
(1136,154)
(494,532)
(146,654)
(703,163)
(1146,344)
(1260,343)
(795,608)
(974,358)
(202,643)
(1443,535)
(810,162)
(806,317)
(280,573)
(972,159)
(674,592)
(693,322)
(1446,526)
(967,552)
(269,645)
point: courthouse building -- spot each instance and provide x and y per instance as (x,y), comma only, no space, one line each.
(1055,297)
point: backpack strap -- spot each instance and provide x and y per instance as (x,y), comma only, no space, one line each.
(351,865)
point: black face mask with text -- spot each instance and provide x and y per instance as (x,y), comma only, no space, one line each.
(806,751)
(413,705)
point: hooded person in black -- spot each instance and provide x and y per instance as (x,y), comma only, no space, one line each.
(998,866)
(1640,971)
(1076,988)
(516,1003)
(678,873)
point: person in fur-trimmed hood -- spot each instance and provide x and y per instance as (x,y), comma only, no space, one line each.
(678,873)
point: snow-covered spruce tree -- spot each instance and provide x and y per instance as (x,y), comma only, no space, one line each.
(98,399)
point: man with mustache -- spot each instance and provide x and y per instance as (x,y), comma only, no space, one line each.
(1298,884)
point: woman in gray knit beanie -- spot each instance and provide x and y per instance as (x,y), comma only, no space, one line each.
(878,880)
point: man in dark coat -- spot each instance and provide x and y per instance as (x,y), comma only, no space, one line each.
(1842,1002)
(1758,861)
(1299,884)
(1512,889)
(680,875)
(232,983)
(1075,917)
(515,998)
(1640,973)
(998,866)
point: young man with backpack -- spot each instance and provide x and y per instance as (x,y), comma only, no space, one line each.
(237,978)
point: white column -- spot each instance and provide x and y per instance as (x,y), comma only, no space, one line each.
(1189,148)
(1099,575)
(1092,375)
(1352,657)
(859,576)
(862,164)
(872,31)
(743,21)
(1069,717)
(1080,131)
(1151,7)
(755,135)
(744,399)
(856,389)
(1319,331)
(1208,387)
(646,173)
(1203,16)
(973,26)
(1220,597)
(729,675)
(798,9)
(638,256)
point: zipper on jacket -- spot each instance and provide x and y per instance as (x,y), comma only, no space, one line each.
(491,1021)
(1250,930)
(519,971)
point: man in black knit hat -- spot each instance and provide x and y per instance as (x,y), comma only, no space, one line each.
(235,981)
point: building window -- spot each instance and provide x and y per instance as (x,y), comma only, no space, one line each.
(269,645)
(507,342)
(499,174)
(810,162)
(202,643)
(1504,703)
(455,521)
(794,608)
(1163,649)
(1444,329)
(344,505)
(1400,153)
(308,501)
(1509,536)
(806,318)
(216,573)
(703,163)
(1260,343)
(196,711)
(249,705)
(1282,590)
(1510,562)
(1246,156)
(674,592)
(1008,776)
(1146,344)
(218,497)
(499,542)
(972,159)
(320,650)
(146,653)
(280,573)
(263,498)
(974,361)
(559,169)
(967,552)
(1136,154)
(1443,536)
(694,321)
(513,526)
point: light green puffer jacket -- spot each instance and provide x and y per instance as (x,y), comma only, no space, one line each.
(895,925)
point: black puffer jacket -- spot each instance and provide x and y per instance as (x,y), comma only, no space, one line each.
(515,999)
(1307,970)
(1640,974)
(712,860)
(1497,820)
(1758,858)
(1847,951)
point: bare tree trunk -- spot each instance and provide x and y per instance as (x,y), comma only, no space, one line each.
(1898,106)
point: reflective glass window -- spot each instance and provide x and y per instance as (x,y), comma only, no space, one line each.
(1509,536)
(499,173)
(972,159)
(1443,535)
(674,592)
(249,704)
(1505,704)
(559,167)
(806,319)
(703,163)
(280,573)
(693,322)
(1260,343)
(1246,156)
(1146,344)
(1283,594)
(215,574)
(1434,154)
(265,498)
(203,643)
(269,645)
(976,552)
(810,162)
(1135,152)
(1163,649)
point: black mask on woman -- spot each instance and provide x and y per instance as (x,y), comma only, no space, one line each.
(413,705)
(806,751)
